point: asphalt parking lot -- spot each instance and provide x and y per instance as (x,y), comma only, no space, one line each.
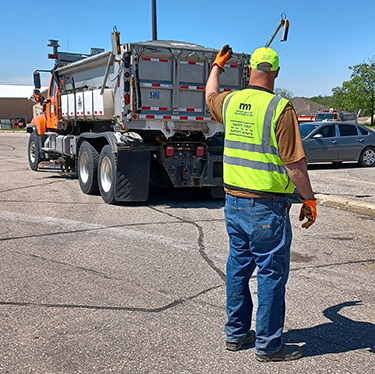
(88,287)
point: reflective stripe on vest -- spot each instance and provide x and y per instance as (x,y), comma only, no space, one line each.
(251,155)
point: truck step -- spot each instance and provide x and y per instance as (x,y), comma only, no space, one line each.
(49,166)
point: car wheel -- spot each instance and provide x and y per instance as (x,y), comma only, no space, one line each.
(107,175)
(88,168)
(367,157)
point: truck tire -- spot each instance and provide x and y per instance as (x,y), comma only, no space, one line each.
(88,158)
(33,152)
(107,175)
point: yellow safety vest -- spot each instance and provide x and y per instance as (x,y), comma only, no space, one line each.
(251,154)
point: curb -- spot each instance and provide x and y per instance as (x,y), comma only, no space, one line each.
(346,204)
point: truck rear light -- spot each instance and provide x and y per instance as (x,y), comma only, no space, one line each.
(169,151)
(200,151)
(52,56)
(127,99)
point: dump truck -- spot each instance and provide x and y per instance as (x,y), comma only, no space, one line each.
(336,115)
(135,113)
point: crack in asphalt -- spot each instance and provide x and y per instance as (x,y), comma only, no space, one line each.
(115,308)
(31,186)
(202,249)
(87,270)
(105,276)
(67,232)
(370,261)
(9,146)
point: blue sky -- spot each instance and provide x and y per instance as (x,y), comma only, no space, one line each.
(325,37)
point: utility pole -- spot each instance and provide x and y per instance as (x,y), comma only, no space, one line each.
(154,26)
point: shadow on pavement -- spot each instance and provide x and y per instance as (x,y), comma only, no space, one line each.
(333,166)
(340,335)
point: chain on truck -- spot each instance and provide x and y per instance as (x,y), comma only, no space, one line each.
(136,112)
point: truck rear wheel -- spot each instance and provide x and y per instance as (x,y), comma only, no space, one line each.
(107,175)
(88,158)
(33,152)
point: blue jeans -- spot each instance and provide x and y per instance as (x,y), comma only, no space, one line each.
(259,235)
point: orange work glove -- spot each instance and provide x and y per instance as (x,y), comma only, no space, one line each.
(222,57)
(308,210)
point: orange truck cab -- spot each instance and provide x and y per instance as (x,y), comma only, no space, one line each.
(49,118)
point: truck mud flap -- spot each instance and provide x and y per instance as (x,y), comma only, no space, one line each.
(133,174)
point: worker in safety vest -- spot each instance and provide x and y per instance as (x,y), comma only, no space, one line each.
(263,161)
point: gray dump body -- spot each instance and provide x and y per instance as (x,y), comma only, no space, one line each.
(132,114)
(155,85)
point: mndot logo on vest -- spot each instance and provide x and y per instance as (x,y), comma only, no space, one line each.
(244,106)
(251,154)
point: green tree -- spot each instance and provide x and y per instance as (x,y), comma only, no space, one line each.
(323,100)
(283,93)
(359,91)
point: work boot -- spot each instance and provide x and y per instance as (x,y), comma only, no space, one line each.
(247,340)
(286,353)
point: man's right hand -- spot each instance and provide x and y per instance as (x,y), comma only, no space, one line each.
(222,57)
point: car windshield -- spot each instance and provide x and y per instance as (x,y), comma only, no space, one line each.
(324,117)
(305,129)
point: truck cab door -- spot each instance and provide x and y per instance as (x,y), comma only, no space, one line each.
(52,105)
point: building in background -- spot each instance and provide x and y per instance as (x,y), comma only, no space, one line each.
(15,104)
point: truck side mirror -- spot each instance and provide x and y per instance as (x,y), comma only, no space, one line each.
(37,80)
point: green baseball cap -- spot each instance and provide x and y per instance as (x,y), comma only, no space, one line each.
(265,59)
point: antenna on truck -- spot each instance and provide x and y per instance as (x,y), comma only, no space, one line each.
(154,26)
(284,23)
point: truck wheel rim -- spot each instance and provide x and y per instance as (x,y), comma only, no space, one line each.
(369,157)
(84,167)
(32,152)
(106,174)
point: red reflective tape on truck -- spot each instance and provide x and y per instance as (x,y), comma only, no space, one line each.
(149,59)
(174,118)
(159,85)
(199,110)
(156,108)
(192,63)
(200,88)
